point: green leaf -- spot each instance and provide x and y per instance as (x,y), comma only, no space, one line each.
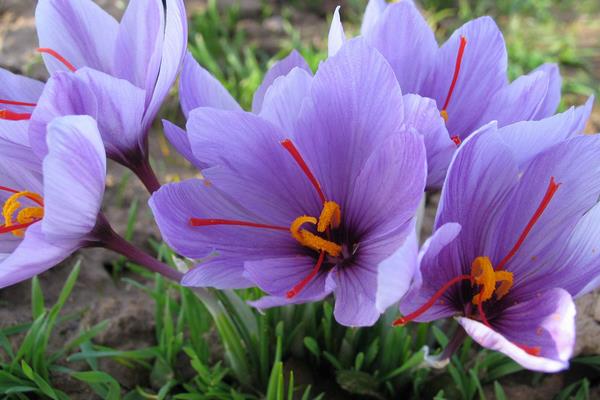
(37,298)
(358,383)
(38,380)
(498,391)
(311,344)
(103,384)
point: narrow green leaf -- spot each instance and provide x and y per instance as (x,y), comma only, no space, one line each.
(37,298)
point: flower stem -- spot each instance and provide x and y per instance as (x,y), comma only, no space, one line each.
(146,175)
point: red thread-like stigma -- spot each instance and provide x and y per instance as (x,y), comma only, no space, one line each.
(289,146)
(459,58)
(14,116)
(17,103)
(209,222)
(60,58)
(298,288)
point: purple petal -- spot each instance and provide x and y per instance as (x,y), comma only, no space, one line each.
(280,68)
(373,12)
(274,186)
(14,145)
(547,322)
(173,50)
(284,99)
(74,178)
(437,265)
(179,139)
(407,42)
(519,101)
(482,73)
(19,88)
(355,295)
(80,31)
(198,88)
(33,256)
(116,104)
(354,107)
(552,99)
(277,276)
(139,44)
(337,37)
(220,272)
(421,114)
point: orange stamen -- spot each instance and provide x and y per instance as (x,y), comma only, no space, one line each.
(60,58)
(298,288)
(209,222)
(459,57)
(17,103)
(14,116)
(39,201)
(406,319)
(289,146)
(552,188)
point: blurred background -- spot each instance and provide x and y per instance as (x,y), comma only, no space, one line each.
(110,330)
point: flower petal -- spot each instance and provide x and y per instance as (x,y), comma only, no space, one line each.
(355,295)
(552,99)
(337,37)
(372,14)
(285,97)
(80,31)
(74,178)
(33,256)
(407,42)
(198,88)
(482,73)
(221,272)
(546,322)
(421,114)
(179,139)
(280,68)
(19,88)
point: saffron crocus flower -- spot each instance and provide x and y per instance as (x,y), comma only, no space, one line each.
(324,207)
(119,73)
(466,76)
(515,238)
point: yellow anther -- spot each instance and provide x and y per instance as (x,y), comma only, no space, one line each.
(311,240)
(484,275)
(26,215)
(331,216)
(444,114)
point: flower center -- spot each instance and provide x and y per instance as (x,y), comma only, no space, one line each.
(330,218)
(17,217)
(490,280)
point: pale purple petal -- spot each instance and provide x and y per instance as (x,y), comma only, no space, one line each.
(280,68)
(179,139)
(14,139)
(354,106)
(547,322)
(173,50)
(80,31)
(372,14)
(33,256)
(19,88)
(552,99)
(337,36)
(355,294)
(407,42)
(482,73)
(284,99)
(221,272)
(74,178)
(139,44)
(421,114)
(198,88)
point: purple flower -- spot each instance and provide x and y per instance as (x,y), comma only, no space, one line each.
(325,205)
(49,208)
(118,73)
(515,238)
(466,76)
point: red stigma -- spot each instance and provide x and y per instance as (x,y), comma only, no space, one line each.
(60,58)
(12,228)
(552,188)
(14,116)
(11,190)
(289,146)
(300,286)
(406,319)
(456,140)
(17,103)
(210,222)
(531,350)
(459,58)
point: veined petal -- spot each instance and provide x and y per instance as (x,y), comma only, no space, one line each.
(198,88)
(80,31)
(355,294)
(552,99)
(282,67)
(33,256)
(372,14)
(74,178)
(407,42)
(220,272)
(545,323)
(179,139)
(19,88)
